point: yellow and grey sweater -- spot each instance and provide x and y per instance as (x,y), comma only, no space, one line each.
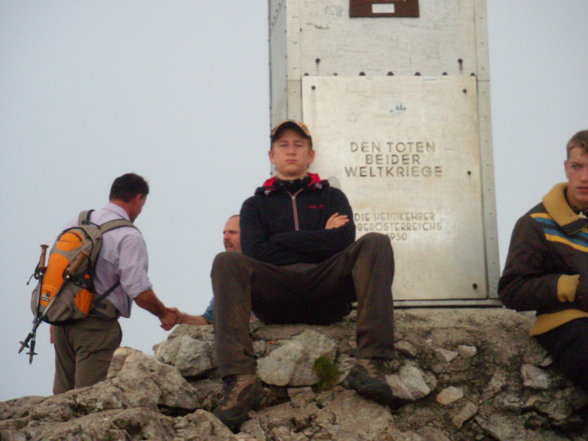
(548,255)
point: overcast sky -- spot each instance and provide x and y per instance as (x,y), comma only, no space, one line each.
(178,91)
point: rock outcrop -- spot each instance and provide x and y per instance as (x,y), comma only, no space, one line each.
(469,374)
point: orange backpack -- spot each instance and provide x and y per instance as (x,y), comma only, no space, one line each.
(65,292)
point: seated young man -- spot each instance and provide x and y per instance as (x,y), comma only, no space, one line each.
(547,266)
(300,264)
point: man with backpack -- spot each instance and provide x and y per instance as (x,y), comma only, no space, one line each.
(84,348)
(300,264)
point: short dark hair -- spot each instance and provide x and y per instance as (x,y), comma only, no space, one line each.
(126,187)
(580,140)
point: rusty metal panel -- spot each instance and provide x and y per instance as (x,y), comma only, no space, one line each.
(406,151)
(383,8)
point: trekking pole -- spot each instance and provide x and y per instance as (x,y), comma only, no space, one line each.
(40,268)
(30,338)
(30,341)
(32,352)
(75,266)
(42,258)
(25,343)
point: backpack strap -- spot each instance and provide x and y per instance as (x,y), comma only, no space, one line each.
(105,228)
(97,302)
(116,223)
(84,217)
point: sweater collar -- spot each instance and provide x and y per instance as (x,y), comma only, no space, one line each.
(559,209)
(269,185)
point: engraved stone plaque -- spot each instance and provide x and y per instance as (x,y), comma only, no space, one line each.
(406,152)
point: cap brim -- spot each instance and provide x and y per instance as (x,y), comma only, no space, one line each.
(300,127)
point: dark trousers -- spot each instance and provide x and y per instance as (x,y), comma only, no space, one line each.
(304,293)
(568,346)
(83,351)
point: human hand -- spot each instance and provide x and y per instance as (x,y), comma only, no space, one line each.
(187,319)
(336,220)
(169,318)
(192,319)
(182,317)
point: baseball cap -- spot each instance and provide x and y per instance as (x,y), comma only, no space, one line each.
(299,126)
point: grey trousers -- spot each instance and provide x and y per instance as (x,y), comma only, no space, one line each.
(304,293)
(83,351)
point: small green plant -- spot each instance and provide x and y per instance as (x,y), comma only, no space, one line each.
(327,373)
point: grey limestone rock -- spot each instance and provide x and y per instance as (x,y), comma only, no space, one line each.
(292,363)
(202,425)
(406,348)
(449,395)
(509,428)
(467,351)
(534,377)
(409,383)
(468,411)
(193,358)
(148,382)
(509,394)
(192,353)
(429,433)
(497,383)
(445,356)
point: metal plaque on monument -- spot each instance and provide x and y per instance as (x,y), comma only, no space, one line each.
(398,104)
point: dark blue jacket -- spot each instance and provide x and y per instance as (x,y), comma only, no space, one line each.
(282,228)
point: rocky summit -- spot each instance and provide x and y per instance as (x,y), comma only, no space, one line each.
(468,375)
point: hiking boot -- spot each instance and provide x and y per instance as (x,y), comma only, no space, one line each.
(367,379)
(241,393)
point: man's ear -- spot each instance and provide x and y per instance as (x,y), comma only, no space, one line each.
(311,153)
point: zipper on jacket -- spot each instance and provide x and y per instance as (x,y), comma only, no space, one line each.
(295,209)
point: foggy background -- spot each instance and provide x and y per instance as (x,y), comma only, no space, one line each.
(178,91)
